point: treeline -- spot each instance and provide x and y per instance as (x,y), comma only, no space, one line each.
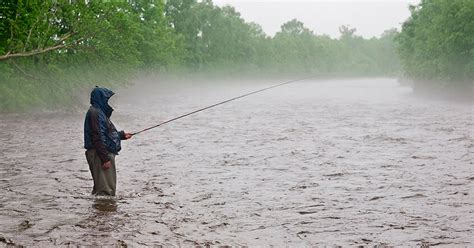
(436,46)
(51,49)
(218,39)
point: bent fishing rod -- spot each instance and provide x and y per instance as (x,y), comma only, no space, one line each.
(220,103)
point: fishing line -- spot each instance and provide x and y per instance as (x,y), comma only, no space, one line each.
(217,104)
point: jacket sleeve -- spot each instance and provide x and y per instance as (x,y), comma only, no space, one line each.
(96,138)
(122,135)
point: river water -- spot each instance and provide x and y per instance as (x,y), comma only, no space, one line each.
(313,163)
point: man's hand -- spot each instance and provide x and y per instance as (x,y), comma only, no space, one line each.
(107,165)
(128,136)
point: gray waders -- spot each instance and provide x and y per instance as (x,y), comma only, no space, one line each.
(104,180)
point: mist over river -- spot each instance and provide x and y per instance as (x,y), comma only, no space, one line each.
(318,162)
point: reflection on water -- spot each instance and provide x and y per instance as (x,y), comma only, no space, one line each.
(105,204)
(315,163)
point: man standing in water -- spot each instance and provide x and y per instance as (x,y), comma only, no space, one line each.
(102,142)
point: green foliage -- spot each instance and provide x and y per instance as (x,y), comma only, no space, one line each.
(98,43)
(218,39)
(436,43)
(50,50)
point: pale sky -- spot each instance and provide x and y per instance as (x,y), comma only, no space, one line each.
(370,18)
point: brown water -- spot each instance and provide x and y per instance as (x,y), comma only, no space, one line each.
(337,162)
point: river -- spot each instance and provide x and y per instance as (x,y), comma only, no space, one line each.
(320,162)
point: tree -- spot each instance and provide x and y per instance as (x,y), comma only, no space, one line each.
(50,49)
(37,27)
(436,43)
(346,32)
(294,27)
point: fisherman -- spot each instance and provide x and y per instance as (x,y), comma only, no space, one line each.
(102,141)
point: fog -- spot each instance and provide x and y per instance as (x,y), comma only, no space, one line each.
(370,18)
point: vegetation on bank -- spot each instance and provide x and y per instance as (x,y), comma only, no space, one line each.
(436,46)
(51,50)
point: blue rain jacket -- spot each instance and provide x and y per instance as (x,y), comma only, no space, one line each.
(99,132)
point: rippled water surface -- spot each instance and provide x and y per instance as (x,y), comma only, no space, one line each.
(318,162)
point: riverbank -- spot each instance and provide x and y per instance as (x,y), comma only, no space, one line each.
(52,94)
(451,91)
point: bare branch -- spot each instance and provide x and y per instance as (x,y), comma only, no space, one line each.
(12,24)
(23,71)
(47,33)
(66,36)
(31,53)
(59,45)
(29,34)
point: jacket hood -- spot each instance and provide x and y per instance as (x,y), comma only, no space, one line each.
(100,99)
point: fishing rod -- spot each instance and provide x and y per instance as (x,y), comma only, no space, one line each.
(220,103)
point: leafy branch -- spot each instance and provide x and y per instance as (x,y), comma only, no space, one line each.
(59,45)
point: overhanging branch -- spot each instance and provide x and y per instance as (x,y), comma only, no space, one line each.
(31,53)
(60,44)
